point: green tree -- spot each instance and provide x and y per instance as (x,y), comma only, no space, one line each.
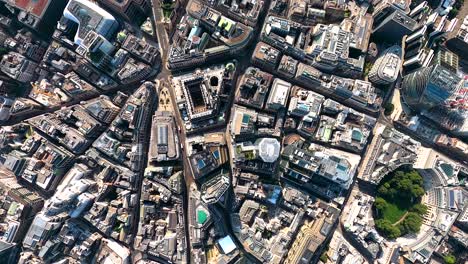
(404,185)
(415,177)
(387,229)
(347,13)
(450,259)
(324,257)
(401,189)
(388,110)
(411,224)
(420,209)
(383,190)
(367,68)
(416,191)
(380,204)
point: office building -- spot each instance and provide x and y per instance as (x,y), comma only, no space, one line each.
(20,206)
(18,67)
(134,11)
(5,106)
(264,149)
(447,59)
(393,26)
(459,42)
(253,88)
(89,17)
(279,94)
(383,8)
(429,87)
(387,67)
(203,163)
(112,252)
(310,239)
(288,67)
(265,56)
(8,252)
(164,143)
(388,150)
(40,15)
(305,103)
(304,165)
(42,228)
(334,50)
(141,49)
(420,44)
(213,190)
(246,12)
(205,35)
(7,86)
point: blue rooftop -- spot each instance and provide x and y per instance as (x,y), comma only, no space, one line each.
(201,164)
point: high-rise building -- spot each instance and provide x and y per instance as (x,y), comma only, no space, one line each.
(6,85)
(447,59)
(459,42)
(5,106)
(8,252)
(393,25)
(419,44)
(41,15)
(135,11)
(429,87)
(89,17)
(387,67)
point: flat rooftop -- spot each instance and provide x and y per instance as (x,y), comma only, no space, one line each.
(35,7)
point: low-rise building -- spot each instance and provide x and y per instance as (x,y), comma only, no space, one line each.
(279,94)
(164,143)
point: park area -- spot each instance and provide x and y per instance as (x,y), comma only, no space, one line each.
(394,212)
(398,209)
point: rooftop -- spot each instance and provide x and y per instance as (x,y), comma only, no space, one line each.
(227,244)
(268,148)
(35,7)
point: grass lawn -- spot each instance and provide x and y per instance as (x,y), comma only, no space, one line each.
(396,209)
(393,213)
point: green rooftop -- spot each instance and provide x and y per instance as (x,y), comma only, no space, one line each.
(13,207)
(327,134)
(356,135)
(201,217)
(447,168)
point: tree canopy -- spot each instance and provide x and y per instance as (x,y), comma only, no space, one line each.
(411,224)
(397,205)
(389,109)
(420,209)
(388,230)
(404,185)
(380,203)
(450,259)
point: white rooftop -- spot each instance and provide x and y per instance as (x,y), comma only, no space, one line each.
(269,149)
(226,244)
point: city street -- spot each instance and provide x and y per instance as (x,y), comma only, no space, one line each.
(161,33)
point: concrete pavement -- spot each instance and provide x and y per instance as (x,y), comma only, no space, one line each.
(161,33)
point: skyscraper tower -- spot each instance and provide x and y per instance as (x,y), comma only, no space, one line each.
(429,87)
